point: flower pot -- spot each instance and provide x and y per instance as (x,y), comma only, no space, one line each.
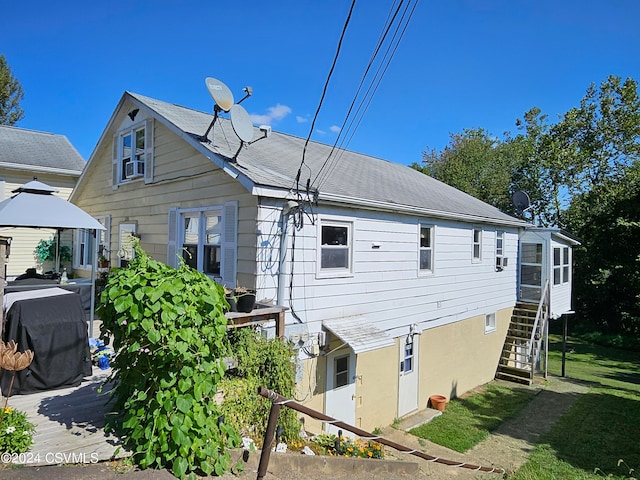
(245,302)
(438,402)
(232,303)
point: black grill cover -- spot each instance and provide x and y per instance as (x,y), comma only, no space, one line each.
(55,330)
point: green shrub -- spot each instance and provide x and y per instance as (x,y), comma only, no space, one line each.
(16,432)
(169,334)
(261,363)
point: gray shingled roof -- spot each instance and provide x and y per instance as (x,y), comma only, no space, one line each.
(38,149)
(348,176)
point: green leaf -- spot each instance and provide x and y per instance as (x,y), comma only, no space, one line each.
(179,467)
(154,336)
(183,403)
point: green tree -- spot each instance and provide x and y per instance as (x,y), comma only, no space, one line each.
(11,95)
(475,162)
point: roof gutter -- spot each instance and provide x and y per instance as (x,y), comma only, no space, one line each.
(35,168)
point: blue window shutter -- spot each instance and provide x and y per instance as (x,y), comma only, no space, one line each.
(149,153)
(229,244)
(114,163)
(172,238)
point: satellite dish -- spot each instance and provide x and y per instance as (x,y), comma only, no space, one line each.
(241,123)
(520,200)
(220,93)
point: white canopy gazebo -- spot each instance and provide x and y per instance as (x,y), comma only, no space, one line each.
(34,205)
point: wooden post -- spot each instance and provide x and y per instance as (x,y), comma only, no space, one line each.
(564,343)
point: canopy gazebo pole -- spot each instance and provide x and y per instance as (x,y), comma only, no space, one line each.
(94,262)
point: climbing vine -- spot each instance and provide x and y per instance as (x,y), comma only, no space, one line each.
(169,334)
(260,363)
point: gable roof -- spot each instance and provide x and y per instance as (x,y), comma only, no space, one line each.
(269,168)
(38,151)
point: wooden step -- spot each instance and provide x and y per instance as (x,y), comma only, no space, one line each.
(513,378)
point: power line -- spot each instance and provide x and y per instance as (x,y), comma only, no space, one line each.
(353,121)
(324,92)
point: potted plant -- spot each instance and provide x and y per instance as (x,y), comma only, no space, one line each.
(103,262)
(245,299)
(231,299)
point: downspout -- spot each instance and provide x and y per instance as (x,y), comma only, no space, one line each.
(284,223)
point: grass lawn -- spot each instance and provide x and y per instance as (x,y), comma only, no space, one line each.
(602,428)
(468,421)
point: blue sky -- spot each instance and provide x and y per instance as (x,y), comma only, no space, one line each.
(461,63)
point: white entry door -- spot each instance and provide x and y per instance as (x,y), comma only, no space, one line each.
(340,396)
(408,376)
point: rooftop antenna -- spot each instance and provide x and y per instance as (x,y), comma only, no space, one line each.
(521,201)
(223,99)
(248,92)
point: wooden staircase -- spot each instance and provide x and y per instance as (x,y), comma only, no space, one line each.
(522,343)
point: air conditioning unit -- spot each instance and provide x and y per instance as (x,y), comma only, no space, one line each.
(134,168)
(501,263)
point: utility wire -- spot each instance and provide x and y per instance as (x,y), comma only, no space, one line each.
(354,121)
(324,91)
(381,40)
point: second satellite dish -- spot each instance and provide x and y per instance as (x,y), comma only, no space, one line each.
(520,200)
(241,123)
(220,93)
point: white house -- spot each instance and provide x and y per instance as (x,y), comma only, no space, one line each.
(397,285)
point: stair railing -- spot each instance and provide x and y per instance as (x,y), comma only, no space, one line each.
(539,326)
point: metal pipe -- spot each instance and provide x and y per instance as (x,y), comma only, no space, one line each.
(268,440)
(278,399)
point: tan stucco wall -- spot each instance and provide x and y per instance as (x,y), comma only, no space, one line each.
(457,357)
(453,359)
(377,387)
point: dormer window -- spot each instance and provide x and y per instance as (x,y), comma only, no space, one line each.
(133,153)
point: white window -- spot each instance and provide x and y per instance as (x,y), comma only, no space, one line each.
(201,237)
(205,239)
(341,371)
(490,323)
(565,265)
(406,366)
(477,245)
(335,248)
(83,253)
(133,153)
(560,265)
(126,233)
(501,260)
(426,249)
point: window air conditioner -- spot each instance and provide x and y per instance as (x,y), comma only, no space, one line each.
(501,262)
(133,169)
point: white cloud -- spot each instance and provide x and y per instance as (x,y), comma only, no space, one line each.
(300,119)
(321,132)
(275,113)
(334,128)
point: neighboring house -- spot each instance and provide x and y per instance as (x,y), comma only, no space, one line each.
(25,154)
(398,286)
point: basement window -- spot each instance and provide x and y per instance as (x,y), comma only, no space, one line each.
(490,323)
